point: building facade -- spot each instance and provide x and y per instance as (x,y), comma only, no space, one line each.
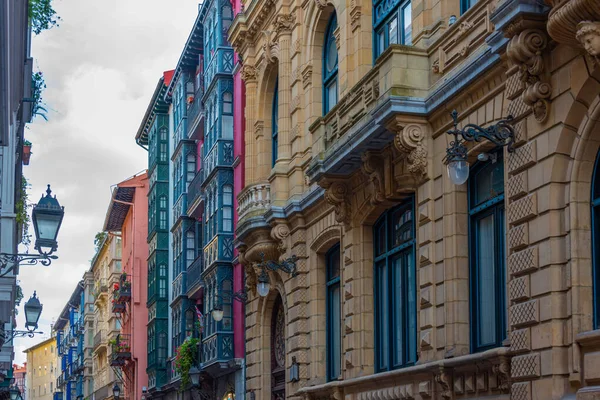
(127,216)
(106,268)
(39,374)
(73,382)
(407,285)
(20,375)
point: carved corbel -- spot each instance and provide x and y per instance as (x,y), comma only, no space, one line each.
(588,34)
(410,141)
(525,49)
(270,47)
(280,233)
(284,23)
(372,167)
(502,371)
(336,194)
(444,379)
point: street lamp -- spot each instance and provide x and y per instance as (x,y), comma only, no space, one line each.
(217,311)
(501,134)
(116,391)
(33,310)
(288,265)
(194,374)
(47,218)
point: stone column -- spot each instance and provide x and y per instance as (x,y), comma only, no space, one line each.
(283,26)
(249,75)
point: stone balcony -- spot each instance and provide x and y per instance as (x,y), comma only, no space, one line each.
(565,15)
(254,200)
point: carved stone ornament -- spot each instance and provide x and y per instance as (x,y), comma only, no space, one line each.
(588,34)
(526,50)
(321,4)
(279,233)
(270,47)
(445,381)
(284,23)
(409,140)
(336,194)
(249,73)
(372,167)
(502,371)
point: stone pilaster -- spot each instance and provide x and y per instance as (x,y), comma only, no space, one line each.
(283,26)
(249,76)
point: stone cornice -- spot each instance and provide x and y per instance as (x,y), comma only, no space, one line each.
(247,24)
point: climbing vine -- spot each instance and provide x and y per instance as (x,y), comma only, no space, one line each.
(42,16)
(185,359)
(21,210)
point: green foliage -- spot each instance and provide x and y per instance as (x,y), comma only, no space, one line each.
(42,16)
(38,84)
(21,207)
(99,239)
(185,359)
(18,298)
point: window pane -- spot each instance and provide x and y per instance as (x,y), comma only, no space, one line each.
(402,225)
(398,308)
(331,95)
(380,42)
(381,239)
(411,300)
(335,338)
(331,55)
(407,21)
(393,30)
(486,281)
(489,182)
(383,315)
(333,267)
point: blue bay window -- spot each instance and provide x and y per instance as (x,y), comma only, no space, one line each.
(392,23)
(486,258)
(334,321)
(274,125)
(395,288)
(596,240)
(330,66)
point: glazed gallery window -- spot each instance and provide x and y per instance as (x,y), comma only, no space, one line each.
(274,125)
(596,240)
(392,23)
(334,320)
(486,258)
(466,4)
(330,66)
(395,288)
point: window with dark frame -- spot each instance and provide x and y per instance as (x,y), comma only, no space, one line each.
(486,255)
(595,204)
(395,288)
(330,66)
(392,24)
(275,125)
(334,321)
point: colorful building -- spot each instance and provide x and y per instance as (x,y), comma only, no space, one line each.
(20,376)
(127,216)
(41,361)
(106,268)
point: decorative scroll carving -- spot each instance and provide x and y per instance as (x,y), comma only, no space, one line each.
(588,34)
(270,47)
(284,23)
(502,371)
(372,167)
(409,141)
(526,50)
(435,67)
(279,233)
(445,381)
(336,194)
(249,73)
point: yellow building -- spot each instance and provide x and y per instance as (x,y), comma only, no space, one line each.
(106,270)
(41,364)
(408,285)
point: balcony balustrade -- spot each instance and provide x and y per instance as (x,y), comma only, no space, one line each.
(179,286)
(194,272)
(99,339)
(194,192)
(221,63)
(122,289)
(220,155)
(180,207)
(120,350)
(254,200)
(217,349)
(100,288)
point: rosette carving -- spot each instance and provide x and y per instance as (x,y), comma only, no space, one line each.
(336,194)
(526,50)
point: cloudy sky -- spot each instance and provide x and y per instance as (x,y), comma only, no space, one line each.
(101,67)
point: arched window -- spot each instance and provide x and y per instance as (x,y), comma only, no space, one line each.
(391,24)
(278,351)
(596,239)
(330,66)
(486,258)
(274,125)
(334,322)
(395,288)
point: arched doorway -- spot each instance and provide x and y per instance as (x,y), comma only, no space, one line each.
(278,351)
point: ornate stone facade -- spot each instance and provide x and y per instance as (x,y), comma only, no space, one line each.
(384,142)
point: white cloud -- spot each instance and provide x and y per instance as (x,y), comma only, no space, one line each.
(101,67)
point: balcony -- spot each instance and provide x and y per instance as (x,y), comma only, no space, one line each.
(194,193)
(221,63)
(194,279)
(100,288)
(217,351)
(180,208)
(254,200)
(120,350)
(195,115)
(220,155)
(100,339)
(122,289)
(179,286)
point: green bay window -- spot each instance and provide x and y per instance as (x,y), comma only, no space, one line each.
(486,258)
(334,321)
(395,288)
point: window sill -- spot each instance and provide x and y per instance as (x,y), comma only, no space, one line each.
(589,338)
(422,372)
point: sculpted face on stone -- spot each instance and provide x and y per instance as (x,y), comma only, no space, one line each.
(588,34)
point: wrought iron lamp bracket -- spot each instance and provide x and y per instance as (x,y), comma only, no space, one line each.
(10,335)
(24,259)
(288,265)
(501,134)
(240,295)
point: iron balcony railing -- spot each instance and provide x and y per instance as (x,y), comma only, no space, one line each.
(121,350)
(99,338)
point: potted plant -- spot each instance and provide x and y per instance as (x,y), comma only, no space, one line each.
(185,359)
(26,152)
